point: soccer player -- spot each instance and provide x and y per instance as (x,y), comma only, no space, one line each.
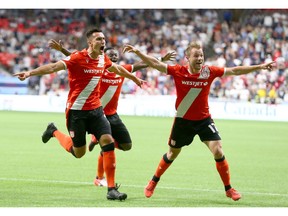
(110,89)
(192,118)
(84,113)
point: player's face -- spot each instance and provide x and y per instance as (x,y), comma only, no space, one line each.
(97,42)
(196,59)
(113,55)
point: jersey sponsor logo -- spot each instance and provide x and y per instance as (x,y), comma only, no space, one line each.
(94,71)
(111,81)
(194,84)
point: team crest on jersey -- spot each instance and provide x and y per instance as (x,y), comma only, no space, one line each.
(87,60)
(72,134)
(205,73)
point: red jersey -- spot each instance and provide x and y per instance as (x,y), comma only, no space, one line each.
(84,74)
(193,90)
(110,89)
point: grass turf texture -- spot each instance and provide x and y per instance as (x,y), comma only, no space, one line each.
(34,174)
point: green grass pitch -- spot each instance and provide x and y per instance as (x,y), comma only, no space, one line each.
(34,174)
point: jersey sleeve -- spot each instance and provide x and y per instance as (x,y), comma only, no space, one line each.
(217,71)
(172,69)
(128,67)
(69,60)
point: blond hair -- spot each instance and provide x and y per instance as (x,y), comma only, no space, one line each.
(193,44)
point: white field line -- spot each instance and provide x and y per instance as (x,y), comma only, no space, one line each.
(137,186)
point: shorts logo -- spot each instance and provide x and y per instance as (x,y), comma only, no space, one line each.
(72,134)
(173,142)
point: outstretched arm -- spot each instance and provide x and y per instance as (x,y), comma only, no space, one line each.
(58,46)
(118,69)
(170,56)
(150,60)
(248,69)
(42,70)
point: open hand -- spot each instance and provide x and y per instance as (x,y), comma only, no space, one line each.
(55,45)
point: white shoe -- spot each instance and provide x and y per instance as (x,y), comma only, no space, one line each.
(100,182)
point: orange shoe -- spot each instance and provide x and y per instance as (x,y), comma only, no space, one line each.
(233,194)
(149,189)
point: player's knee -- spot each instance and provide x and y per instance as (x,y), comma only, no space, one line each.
(125,146)
(105,139)
(78,152)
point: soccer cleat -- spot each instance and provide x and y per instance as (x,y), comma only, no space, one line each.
(233,194)
(114,194)
(93,143)
(100,182)
(149,189)
(48,133)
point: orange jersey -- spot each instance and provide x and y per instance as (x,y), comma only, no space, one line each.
(84,74)
(110,90)
(193,90)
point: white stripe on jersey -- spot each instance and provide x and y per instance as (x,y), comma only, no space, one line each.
(85,93)
(187,101)
(106,98)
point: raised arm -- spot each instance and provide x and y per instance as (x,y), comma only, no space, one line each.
(58,46)
(118,69)
(248,69)
(42,70)
(170,56)
(150,60)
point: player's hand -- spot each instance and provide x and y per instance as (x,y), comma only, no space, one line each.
(22,75)
(170,56)
(128,48)
(139,82)
(55,45)
(268,66)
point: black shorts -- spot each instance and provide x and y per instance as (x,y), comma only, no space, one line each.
(80,122)
(119,130)
(184,131)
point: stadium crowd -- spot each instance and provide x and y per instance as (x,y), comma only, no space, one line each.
(230,38)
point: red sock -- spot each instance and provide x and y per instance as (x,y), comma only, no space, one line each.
(100,168)
(64,140)
(162,167)
(223,170)
(109,164)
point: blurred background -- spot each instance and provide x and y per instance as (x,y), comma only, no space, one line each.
(230,37)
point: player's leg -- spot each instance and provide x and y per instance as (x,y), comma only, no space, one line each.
(100,128)
(93,143)
(77,136)
(210,133)
(163,165)
(179,137)
(100,179)
(122,141)
(120,133)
